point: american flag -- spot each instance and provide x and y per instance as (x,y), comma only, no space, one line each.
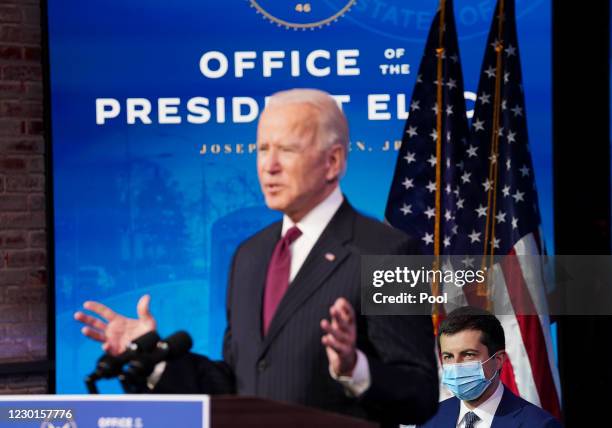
(411,205)
(492,205)
(502,216)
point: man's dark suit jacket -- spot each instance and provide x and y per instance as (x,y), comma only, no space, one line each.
(512,412)
(290,363)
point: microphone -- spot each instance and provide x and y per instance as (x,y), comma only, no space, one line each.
(109,366)
(174,346)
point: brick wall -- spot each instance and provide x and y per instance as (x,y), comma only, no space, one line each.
(23,255)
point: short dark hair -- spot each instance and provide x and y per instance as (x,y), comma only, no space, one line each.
(471,318)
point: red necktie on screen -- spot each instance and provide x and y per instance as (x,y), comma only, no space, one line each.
(277,280)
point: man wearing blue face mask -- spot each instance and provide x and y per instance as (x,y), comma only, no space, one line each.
(472,345)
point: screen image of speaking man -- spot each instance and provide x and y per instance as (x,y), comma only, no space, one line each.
(472,346)
(294,329)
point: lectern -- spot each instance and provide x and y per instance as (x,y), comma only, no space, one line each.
(233,412)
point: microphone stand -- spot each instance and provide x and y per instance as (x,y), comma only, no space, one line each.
(132,385)
(90,382)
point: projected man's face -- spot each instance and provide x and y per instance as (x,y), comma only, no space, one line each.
(295,171)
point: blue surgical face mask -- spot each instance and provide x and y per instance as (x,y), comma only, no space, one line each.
(466,381)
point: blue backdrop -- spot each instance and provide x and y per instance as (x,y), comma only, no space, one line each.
(145,204)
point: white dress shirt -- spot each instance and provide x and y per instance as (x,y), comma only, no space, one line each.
(486,411)
(312,226)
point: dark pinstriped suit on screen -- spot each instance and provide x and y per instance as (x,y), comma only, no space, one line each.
(290,363)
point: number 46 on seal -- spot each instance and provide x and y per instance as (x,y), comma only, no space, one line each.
(305,7)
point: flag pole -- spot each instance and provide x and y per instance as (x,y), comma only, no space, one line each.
(438,205)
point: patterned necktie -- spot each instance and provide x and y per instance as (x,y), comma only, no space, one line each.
(277,280)
(470,419)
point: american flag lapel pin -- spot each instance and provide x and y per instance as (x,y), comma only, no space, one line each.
(330,257)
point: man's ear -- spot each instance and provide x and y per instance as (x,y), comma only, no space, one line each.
(500,358)
(336,158)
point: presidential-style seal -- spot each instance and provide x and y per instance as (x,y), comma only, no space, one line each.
(302,15)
